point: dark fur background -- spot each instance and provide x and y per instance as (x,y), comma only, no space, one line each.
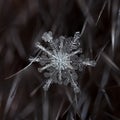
(22,22)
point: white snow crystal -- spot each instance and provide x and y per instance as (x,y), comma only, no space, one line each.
(60,59)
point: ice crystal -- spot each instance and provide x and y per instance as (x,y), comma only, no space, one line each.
(61,58)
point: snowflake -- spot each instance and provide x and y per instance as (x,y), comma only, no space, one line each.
(61,58)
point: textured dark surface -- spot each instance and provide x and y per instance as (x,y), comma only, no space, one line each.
(22,22)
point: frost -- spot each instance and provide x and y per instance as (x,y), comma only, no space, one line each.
(60,58)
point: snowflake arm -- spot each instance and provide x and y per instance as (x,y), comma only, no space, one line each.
(45,67)
(88,62)
(44,49)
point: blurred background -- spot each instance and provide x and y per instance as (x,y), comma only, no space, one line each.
(22,22)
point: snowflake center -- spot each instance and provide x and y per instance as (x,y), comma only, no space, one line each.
(61,61)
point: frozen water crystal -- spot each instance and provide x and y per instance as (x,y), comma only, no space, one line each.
(60,58)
